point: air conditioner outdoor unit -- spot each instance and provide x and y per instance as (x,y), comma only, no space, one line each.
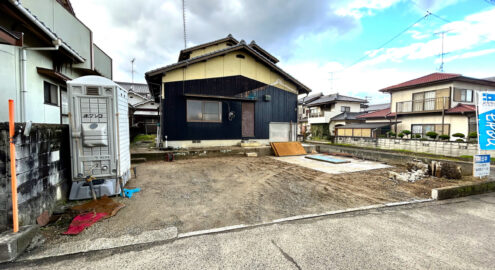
(99,137)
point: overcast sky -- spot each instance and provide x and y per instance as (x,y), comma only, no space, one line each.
(314,40)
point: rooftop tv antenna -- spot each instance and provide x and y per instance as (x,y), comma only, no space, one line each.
(184,22)
(132,72)
(443,52)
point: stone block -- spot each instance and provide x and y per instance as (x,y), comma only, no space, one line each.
(13,244)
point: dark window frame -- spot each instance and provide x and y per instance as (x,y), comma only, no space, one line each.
(460,99)
(48,87)
(345,108)
(203,111)
(423,132)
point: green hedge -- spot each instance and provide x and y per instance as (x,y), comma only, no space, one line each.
(320,131)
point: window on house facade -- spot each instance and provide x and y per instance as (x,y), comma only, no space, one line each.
(204,111)
(345,108)
(463,95)
(51,93)
(64,106)
(472,127)
(422,129)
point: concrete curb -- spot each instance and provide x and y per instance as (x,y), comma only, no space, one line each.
(463,190)
(149,237)
(299,217)
(12,245)
(71,248)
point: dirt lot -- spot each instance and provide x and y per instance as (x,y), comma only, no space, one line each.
(214,192)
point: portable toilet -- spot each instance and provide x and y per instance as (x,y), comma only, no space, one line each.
(99,137)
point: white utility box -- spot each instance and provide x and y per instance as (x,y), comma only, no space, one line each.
(99,136)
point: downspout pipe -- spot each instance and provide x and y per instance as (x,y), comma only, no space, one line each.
(24,92)
(28,14)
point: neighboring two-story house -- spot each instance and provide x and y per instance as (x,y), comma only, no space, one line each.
(143,110)
(303,112)
(225,91)
(439,102)
(42,45)
(334,110)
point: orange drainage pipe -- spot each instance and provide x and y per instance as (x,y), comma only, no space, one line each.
(13,182)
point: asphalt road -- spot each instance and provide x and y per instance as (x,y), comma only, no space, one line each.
(454,234)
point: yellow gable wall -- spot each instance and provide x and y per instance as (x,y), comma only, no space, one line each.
(230,65)
(209,49)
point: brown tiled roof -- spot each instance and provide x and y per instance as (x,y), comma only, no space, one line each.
(377,114)
(434,77)
(462,108)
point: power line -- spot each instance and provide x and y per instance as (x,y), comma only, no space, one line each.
(388,41)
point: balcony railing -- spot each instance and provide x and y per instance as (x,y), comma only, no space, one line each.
(423,105)
(318,114)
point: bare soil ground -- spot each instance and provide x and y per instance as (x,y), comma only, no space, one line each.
(215,192)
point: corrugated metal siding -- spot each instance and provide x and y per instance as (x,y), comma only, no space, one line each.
(281,108)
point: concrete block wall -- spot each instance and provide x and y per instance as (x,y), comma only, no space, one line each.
(453,149)
(42,169)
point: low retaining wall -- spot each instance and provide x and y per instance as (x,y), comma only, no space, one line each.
(462,191)
(389,157)
(42,168)
(443,148)
(210,152)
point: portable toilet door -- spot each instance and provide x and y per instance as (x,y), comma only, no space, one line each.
(99,133)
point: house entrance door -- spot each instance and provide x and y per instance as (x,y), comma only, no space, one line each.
(247,119)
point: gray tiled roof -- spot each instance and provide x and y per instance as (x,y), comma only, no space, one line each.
(368,125)
(140,88)
(377,107)
(347,116)
(334,98)
(309,98)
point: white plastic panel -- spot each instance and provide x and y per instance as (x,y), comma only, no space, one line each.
(99,129)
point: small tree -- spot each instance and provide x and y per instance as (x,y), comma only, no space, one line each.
(406,132)
(473,135)
(391,134)
(417,136)
(444,137)
(458,135)
(401,135)
(432,134)
(459,140)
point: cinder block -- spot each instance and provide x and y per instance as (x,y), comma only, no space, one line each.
(13,244)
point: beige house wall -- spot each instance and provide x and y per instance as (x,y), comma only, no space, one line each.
(458,123)
(407,95)
(230,65)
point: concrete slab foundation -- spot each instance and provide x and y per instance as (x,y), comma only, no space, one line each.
(13,244)
(354,165)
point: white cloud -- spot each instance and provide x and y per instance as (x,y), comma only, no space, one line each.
(467,55)
(472,32)
(360,8)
